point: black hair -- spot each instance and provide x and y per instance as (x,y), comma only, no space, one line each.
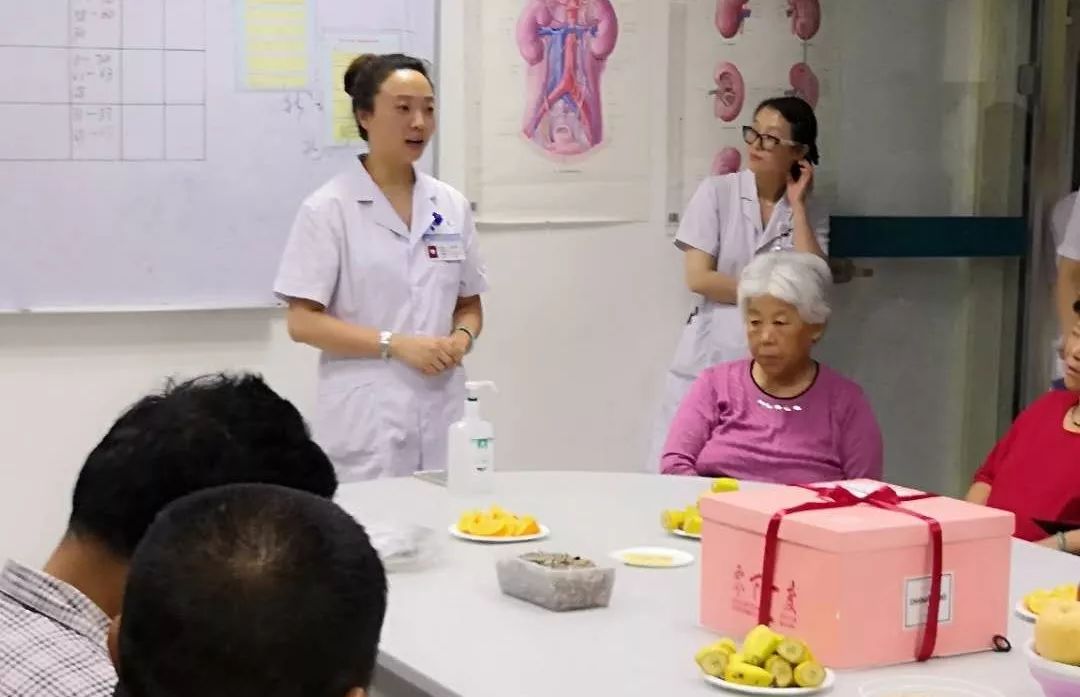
(366,74)
(251,590)
(213,430)
(804,128)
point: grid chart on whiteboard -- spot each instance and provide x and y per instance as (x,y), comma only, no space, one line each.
(105,80)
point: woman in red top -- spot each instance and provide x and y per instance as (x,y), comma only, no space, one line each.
(1034,471)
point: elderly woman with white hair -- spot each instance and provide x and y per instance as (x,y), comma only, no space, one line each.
(780,416)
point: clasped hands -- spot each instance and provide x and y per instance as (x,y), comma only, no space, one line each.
(430,355)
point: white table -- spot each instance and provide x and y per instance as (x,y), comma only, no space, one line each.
(450,632)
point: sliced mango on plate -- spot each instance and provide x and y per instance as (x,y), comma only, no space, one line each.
(497,522)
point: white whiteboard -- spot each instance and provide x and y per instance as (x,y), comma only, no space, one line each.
(153,152)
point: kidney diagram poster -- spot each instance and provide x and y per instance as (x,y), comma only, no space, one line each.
(561,110)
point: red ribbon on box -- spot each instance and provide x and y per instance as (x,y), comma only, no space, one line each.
(840,497)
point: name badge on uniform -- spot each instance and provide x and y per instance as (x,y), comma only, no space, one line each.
(780,242)
(784,241)
(443,246)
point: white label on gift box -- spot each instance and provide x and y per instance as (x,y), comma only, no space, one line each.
(917,600)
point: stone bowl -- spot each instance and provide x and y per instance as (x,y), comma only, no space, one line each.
(556,582)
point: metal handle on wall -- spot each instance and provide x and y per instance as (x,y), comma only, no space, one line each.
(845,271)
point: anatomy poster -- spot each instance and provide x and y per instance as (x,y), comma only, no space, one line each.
(562,118)
(738,53)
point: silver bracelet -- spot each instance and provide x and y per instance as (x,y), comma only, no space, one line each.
(1063,544)
(468,333)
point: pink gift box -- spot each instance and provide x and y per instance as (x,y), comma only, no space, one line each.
(854,582)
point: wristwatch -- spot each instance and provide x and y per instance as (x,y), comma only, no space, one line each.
(384,344)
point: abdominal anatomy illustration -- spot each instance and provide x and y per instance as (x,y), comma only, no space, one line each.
(730,15)
(805,18)
(730,92)
(565,44)
(804,83)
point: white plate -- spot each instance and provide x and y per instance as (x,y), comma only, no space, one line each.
(688,535)
(830,680)
(1023,613)
(924,685)
(677,556)
(453,529)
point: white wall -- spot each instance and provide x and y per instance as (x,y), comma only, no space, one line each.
(581,324)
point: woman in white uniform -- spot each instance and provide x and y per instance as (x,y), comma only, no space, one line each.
(731,218)
(383,274)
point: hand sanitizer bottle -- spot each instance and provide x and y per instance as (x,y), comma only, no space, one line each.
(471,447)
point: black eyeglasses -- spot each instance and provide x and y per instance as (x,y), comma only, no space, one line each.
(768,142)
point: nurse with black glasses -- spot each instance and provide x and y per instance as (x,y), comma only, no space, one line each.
(730,219)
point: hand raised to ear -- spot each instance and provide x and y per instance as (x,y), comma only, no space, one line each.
(797,189)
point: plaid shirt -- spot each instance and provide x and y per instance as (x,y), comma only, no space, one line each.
(52,639)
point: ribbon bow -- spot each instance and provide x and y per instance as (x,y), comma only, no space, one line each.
(841,497)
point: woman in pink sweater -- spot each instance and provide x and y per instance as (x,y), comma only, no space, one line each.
(780,416)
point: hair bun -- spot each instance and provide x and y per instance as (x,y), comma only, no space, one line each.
(360,64)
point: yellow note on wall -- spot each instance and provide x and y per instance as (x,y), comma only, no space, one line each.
(344,128)
(276,45)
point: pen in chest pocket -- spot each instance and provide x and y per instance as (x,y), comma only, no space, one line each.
(443,245)
(436,221)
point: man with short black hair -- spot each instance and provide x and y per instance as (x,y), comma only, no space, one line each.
(194,435)
(251,590)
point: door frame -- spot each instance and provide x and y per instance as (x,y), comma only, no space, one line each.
(1053,117)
